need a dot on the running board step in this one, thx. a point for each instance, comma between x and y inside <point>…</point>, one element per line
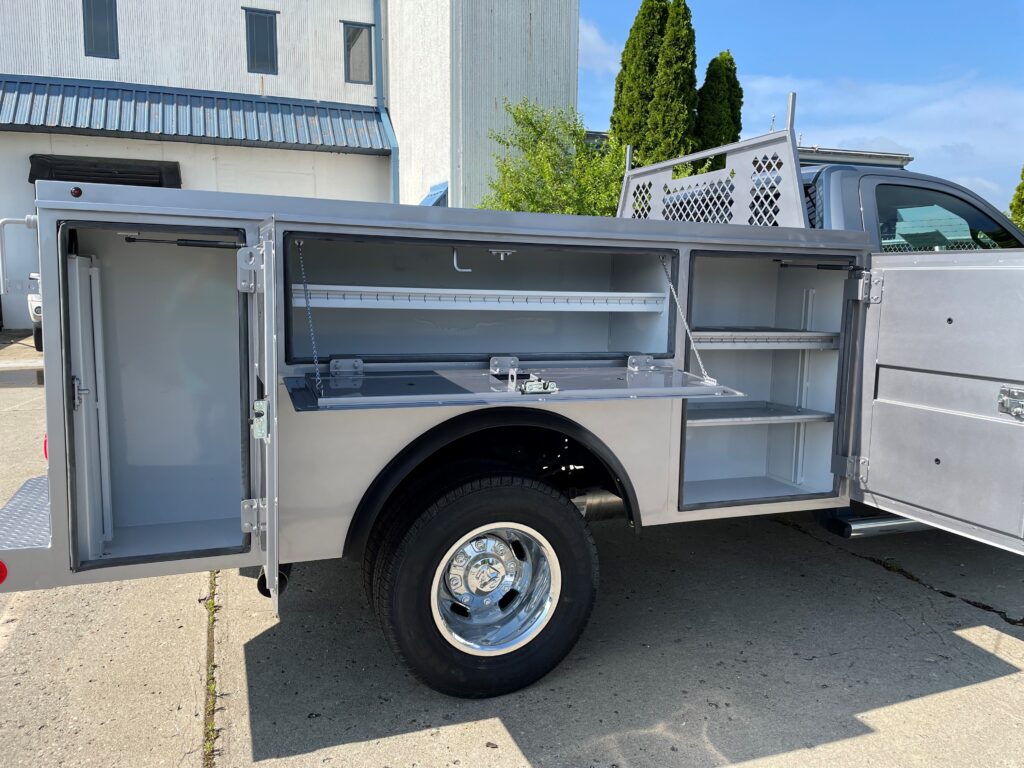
<point>873,525</point>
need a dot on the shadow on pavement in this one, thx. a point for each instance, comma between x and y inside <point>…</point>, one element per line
<point>711,642</point>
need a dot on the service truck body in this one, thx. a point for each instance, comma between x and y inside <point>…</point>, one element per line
<point>237,380</point>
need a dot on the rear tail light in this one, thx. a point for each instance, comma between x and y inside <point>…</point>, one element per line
<point>46,448</point>
<point>3,572</point>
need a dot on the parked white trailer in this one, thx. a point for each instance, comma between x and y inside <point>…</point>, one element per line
<point>240,380</point>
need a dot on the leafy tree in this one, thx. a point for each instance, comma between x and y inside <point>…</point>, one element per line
<point>634,85</point>
<point>672,112</point>
<point>1017,204</point>
<point>719,106</point>
<point>547,165</point>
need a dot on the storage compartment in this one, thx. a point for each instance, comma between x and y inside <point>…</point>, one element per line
<point>400,299</point>
<point>159,438</point>
<point>771,327</point>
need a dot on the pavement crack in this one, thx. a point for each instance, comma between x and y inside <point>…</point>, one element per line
<point>210,730</point>
<point>898,569</point>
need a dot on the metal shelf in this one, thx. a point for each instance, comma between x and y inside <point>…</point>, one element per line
<point>763,338</point>
<point>388,297</point>
<point>750,412</point>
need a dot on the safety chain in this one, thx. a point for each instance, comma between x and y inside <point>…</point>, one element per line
<point>309,321</point>
<point>686,325</point>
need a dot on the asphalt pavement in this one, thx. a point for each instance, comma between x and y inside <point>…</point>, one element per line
<point>755,642</point>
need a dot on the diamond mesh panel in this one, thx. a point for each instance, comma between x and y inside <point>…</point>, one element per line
<point>765,191</point>
<point>642,201</point>
<point>704,201</point>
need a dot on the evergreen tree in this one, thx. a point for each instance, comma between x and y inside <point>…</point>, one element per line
<point>719,106</point>
<point>673,109</point>
<point>634,85</point>
<point>1017,204</point>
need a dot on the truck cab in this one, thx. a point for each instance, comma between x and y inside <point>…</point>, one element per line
<point>900,210</point>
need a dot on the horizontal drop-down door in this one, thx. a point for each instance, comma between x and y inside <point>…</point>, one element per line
<point>463,386</point>
<point>944,351</point>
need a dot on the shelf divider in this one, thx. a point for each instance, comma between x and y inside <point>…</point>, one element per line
<point>740,412</point>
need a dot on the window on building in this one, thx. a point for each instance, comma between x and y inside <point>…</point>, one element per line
<point>358,52</point>
<point>99,25</point>
<point>261,40</point>
<point>920,219</point>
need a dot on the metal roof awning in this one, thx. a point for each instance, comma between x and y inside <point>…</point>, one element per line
<point>160,113</point>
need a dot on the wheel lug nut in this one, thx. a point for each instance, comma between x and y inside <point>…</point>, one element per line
<point>500,549</point>
<point>487,601</point>
<point>454,581</point>
<point>466,599</point>
<point>460,559</point>
<point>479,545</point>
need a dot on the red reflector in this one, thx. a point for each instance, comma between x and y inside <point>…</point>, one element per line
<point>46,449</point>
<point>3,572</point>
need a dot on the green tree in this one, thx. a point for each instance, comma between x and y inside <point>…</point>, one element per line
<point>634,85</point>
<point>672,112</point>
<point>719,106</point>
<point>1017,204</point>
<point>546,165</point>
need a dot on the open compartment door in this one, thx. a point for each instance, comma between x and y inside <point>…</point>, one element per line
<point>942,421</point>
<point>257,267</point>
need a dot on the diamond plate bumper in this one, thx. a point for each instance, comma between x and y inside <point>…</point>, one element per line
<point>25,519</point>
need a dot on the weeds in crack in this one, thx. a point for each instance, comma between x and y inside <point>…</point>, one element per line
<point>210,731</point>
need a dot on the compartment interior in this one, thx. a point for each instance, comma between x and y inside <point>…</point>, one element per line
<point>771,328</point>
<point>388,299</point>
<point>157,336</point>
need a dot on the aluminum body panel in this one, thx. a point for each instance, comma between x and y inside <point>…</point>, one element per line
<point>939,346</point>
<point>328,459</point>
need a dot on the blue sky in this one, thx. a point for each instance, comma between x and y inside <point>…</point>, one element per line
<point>942,80</point>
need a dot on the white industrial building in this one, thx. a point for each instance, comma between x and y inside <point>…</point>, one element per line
<point>349,99</point>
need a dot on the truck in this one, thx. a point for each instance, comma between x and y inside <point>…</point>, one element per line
<point>452,396</point>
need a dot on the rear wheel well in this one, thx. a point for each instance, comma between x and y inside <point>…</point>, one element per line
<point>536,444</point>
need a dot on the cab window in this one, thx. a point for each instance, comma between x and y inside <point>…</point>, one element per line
<point>919,219</point>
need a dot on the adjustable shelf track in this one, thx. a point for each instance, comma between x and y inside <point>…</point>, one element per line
<point>763,338</point>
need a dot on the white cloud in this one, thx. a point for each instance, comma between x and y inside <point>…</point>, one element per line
<point>962,129</point>
<point>597,55</point>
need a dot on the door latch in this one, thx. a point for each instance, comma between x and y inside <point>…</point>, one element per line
<point>258,422</point>
<point>1011,402</point>
<point>79,391</point>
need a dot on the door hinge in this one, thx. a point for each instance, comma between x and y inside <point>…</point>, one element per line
<point>857,469</point>
<point>79,391</point>
<point>1011,401</point>
<point>250,264</point>
<point>258,422</point>
<point>869,287</point>
<point>254,515</point>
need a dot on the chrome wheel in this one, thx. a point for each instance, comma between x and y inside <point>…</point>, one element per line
<point>495,589</point>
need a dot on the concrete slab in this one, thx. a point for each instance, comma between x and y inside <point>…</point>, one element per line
<point>107,675</point>
<point>18,352</point>
<point>726,642</point>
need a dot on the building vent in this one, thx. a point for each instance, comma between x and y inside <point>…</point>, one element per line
<point>104,170</point>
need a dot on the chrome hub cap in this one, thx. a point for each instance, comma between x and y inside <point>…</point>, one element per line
<point>495,589</point>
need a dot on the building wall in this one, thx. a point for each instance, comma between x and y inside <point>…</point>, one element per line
<point>190,44</point>
<point>203,166</point>
<point>504,50</point>
<point>418,56</point>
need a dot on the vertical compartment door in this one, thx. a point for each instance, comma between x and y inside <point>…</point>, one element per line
<point>91,464</point>
<point>258,275</point>
<point>942,420</point>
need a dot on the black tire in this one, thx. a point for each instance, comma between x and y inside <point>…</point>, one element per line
<point>400,511</point>
<point>404,590</point>
<point>37,337</point>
